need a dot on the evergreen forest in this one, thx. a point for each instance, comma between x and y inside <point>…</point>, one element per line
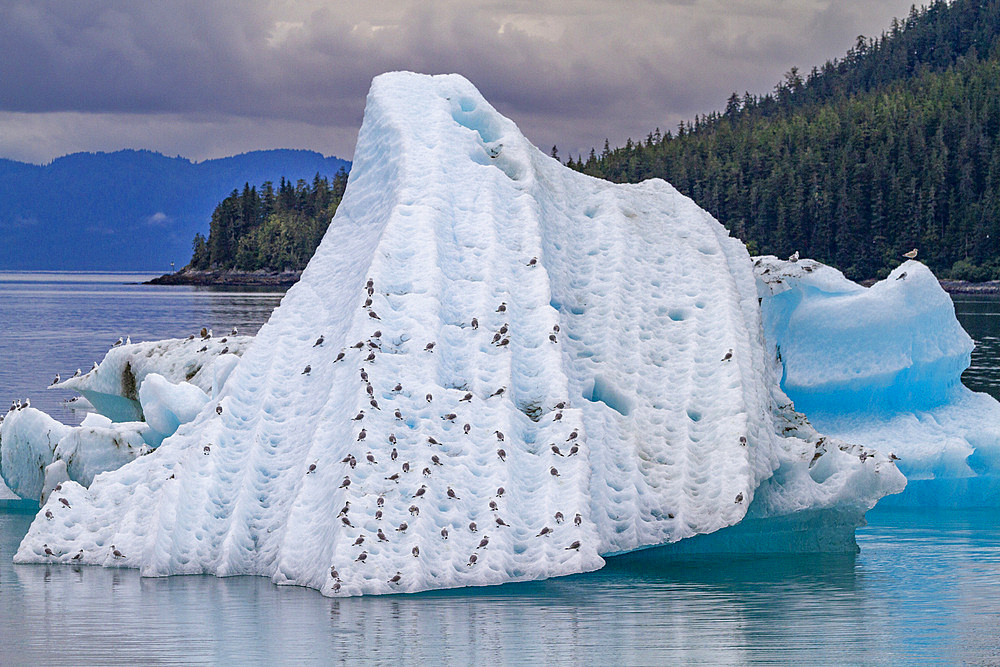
<point>893,147</point>
<point>275,229</point>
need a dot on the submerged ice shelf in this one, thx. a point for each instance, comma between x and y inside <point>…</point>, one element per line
<point>493,369</point>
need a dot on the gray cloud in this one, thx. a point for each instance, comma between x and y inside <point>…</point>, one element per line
<point>211,78</point>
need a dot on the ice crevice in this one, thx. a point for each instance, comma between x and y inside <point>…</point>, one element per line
<point>493,369</point>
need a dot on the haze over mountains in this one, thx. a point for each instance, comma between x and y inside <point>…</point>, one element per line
<point>127,210</point>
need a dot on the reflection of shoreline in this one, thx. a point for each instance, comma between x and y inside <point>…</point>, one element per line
<point>234,278</point>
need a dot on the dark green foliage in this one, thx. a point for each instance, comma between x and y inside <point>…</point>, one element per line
<point>272,229</point>
<point>893,147</point>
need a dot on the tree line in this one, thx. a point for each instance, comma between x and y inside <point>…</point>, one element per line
<point>269,228</point>
<point>895,146</point>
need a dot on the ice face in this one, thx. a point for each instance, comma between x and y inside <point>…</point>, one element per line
<point>493,369</point>
<point>882,366</point>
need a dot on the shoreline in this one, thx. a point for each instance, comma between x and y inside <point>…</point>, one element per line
<point>263,278</point>
<point>228,278</point>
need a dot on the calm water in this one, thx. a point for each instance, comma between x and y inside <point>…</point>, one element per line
<point>924,588</point>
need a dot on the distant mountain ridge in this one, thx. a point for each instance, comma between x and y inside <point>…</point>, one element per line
<point>130,209</point>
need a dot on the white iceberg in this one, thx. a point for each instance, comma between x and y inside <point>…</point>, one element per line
<point>551,368</point>
<point>882,366</point>
<point>31,441</point>
<point>113,386</point>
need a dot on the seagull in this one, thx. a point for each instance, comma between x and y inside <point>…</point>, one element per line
<point>234,332</point>
<point>559,517</point>
<point>402,528</point>
<point>451,494</point>
<point>499,435</point>
<point>532,262</point>
<point>307,370</point>
<point>472,526</point>
<point>340,356</point>
<point>794,257</point>
<point>577,520</point>
<point>472,560</point>
<point>121,341</point>
<point>575,545</point>
<point>381,536</point>
<point>377,334</point>
<point>393,454</point>
<point>398,415</point>
<point>728,356</point>
<point>467,428</point>
<point>49,515</point>
<point>494,506</point>
<point>444,533</point>
<point>467,397</point>
<point>451,416</point>
<point>26,404</point>
<point>427,472</point>
<point>381,501</point>
<point>501,522</point>
<point>555,328</point>
<point>739,498</point>
<point>372,314</point>
<point>347,507</point>
<point>502,454</point>
<point>429,347</point>
<point>544,531</point>
<point>498,392</point>
<point>361,557</point>
<point>360,344</point>
<point>312,468</point>
<point>346,483</point>
<point>475,323</point>
<point>398,388</point>
<point>392,441</point>
<point>78,373</point>
<point>503,329</point>
<point>500,492</point>
<point>572,436</point>
<point>394,477</point>
<point>483,542</point>
<point>378,515</point>
<point>436,461</point>
<point>116,553</point>
<point>79,555</point>
<point>406,466</point>
<point>371,458</point>
<point>207,449</point>
<point>555,450</point>
<point>57,380</point>
<point>359,416</point>
<point>364,375</point>
<point>502,308</point>
<point>432,441</point>
<point>558,417</point>
<point>334,573</point>
<point>574,449</point>
<point>910,255</point>
<point>370,357</point>
<point>362,435</point>
<point>319,341</point>
<point>414,510</point>
<point>421,491</point>
<point>415,551</point>
<point>552,337</point>
<point>505,342</point>
<point>346,521</point>
<point>368,302</point>
<point>553,472</point>
<point>358,542</point>
<point>429,398</point>
<point>496,338</point>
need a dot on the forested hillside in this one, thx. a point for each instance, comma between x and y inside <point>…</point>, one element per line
<point>895,146</point>
<point>269,228</point>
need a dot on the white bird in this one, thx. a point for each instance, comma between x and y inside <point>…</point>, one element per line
<point>56,380</point>
<point>910,255</point>
<point>794,256</point>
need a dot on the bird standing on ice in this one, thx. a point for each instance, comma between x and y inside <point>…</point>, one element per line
<point>910,255</point>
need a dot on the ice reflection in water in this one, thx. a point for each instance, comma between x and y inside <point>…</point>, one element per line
<point>924,587</point>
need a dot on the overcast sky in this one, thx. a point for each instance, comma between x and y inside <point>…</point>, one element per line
<point>210,78</point>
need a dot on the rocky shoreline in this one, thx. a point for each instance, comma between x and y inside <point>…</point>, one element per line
<point>288,278</point>
<point>228,278</point>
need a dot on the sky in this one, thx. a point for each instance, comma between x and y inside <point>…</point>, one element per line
<point>211,78</point>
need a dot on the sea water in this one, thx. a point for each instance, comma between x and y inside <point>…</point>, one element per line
<point>925,586</point>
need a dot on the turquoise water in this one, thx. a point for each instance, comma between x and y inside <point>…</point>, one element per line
<point>925,586</point>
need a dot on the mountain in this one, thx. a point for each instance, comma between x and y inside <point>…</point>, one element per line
<point>894,146</point>
<point>127,210</point>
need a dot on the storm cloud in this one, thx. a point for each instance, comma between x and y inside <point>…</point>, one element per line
<point>212,78</point>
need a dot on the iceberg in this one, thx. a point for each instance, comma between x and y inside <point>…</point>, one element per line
<point>493,369</point>
<point>882,366</point>
<point>130,384</point>
<point>112,387</point>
